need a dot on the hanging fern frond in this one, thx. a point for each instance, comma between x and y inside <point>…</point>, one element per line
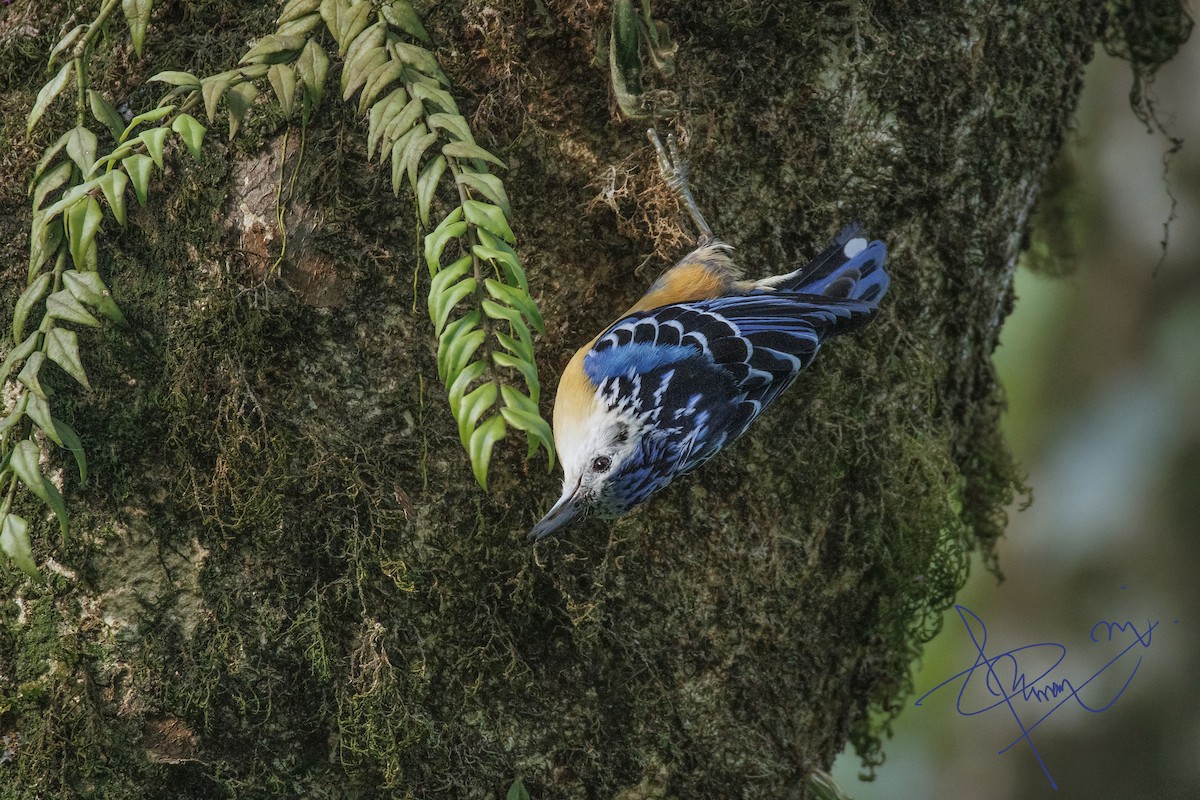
<point>73,176</point>
<point>479,302</point>
<point>483,314</point>
<point>414,123</point>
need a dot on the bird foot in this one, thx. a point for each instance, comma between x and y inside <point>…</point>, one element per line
<point>675,174</point>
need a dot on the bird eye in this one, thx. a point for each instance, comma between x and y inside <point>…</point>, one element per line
<point>601,464</point>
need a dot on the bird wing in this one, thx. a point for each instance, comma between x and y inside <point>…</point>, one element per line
<point>706,369</point>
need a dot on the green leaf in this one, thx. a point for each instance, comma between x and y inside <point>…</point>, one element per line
<point>472,407</point>
<point>625,59</point>
<point>81,148</point>
<point>401,124</point>
<point>524,366</point>
<point>427,184</point>
<point>62,347</point>
<point>139,168</point>
<point>70,440</point>
<point>380,78</point>
<point>466,150</point>
<point>283,82</point>
<point>436,240</point>
<point>83,221</point>
<point>24,463</point>
<point>422,61</point>
<point>69,198</point>
<point>47,94</point>
<point>102,164</point>
<point>490,218</point>
<point>329,13</point>
<point>39,411</point>
<point>25,303</point>
<point>441,306</point>
<point>275,48</point>
<point>298,8</point>
<point>68,39</point>
<point>494,249</point>
<point>155,139</point>
<point>191,131</point>
<point>356,71</point>
<point>17,414</point>
<point>29,374</point>
<point>113,184</point>
<point>456,348</point>
<point>153,115</point>
<point>238,101</point>
<point>176,78</point>
<point>89,288</point>
<point>312,68</point>
<point>512,317</point>
<point>137,14</point>
<point>537,429</point>
<point>48,156</point>
<point>381,114</point>
<point>45,238</point>
<point>480,447</point>
<point>367,39</point>
<point>63,305</point>
<point>400,13</point>
<point>105,114</point>
<point>352,20</point>
<point>211,90</point>
<point>518,400</point>
<point>455,124</point>
<point>459,384</point>
<point>398,149</point>
<point>47,183</point>
<point>441,282</point>
<point>18,353</point>
<point>301,26</point>
<point>432,94</point>
<point>519,351</point>
<point>414,151</point>
<point>14,541</point>
<point>516,298</point>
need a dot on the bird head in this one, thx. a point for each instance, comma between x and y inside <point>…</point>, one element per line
<point>601,455</point>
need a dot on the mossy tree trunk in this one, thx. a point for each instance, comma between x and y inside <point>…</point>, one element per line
<point>283,580</point>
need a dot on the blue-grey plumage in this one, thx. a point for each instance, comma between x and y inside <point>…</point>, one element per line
<point>687,369</point>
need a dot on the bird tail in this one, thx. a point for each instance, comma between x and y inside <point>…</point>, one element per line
<point>851,268</point>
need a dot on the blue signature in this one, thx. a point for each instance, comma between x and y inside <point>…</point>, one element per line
<point>1003,678</point>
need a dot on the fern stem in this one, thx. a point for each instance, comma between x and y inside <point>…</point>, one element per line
<point>9,495</point>
<point>83,58</point>
<point>485,322</point>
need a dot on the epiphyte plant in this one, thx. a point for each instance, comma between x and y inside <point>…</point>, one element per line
<point>479,300</point>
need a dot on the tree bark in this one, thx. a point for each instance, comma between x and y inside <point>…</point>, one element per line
<point>282,579</point>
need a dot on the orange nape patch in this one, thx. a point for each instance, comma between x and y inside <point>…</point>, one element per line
<point>576,398</point>
<point>680,284</point>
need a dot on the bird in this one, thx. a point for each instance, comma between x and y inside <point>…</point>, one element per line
<point>693,363</point>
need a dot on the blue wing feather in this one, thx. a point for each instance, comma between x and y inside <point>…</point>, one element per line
<point>694,375</point>
<point>840,260</point>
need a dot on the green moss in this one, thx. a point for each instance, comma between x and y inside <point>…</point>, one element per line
<point>316,600</point>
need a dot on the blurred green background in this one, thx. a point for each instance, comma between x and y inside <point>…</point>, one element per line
<point>1102,372</point>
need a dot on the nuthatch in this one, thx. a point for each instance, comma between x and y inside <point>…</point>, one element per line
<point>686,370</point>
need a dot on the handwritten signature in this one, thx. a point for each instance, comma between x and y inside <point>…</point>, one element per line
<point>1003,677</point>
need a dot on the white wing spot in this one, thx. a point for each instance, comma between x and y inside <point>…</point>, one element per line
<point>854,247</point>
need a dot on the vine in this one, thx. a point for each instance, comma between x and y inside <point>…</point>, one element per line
<point>479,302</point>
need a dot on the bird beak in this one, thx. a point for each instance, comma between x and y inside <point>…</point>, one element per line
<point>566,509</point>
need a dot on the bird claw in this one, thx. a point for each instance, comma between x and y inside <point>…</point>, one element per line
<point>675,174</point>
